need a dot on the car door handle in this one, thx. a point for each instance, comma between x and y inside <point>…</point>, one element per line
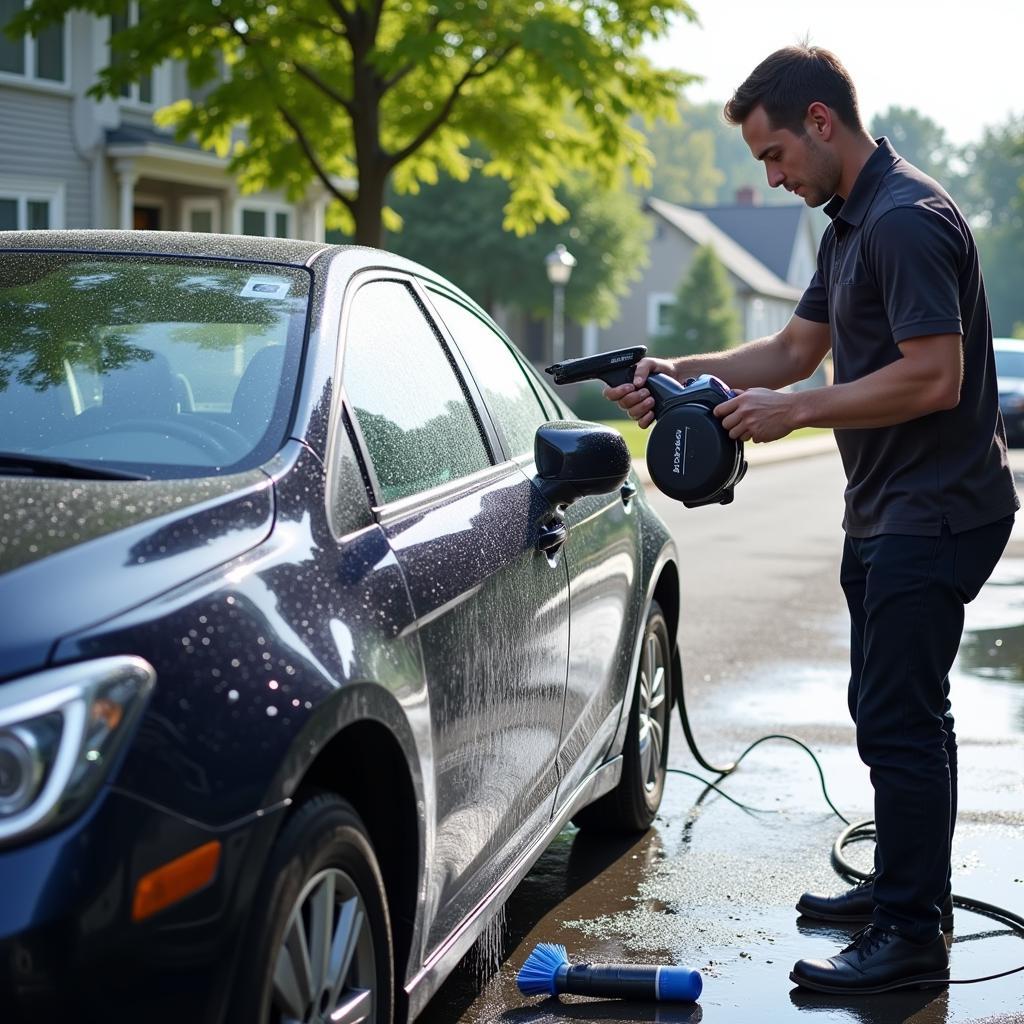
<point>628,492</point>
<point>552,536</point>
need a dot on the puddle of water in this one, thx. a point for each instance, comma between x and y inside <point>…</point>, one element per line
<point>713,887</point>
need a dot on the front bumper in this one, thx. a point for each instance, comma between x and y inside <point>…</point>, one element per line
<point>68,946</point>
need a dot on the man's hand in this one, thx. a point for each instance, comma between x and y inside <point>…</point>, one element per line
<point>634,398</point>
<point>757,414</point>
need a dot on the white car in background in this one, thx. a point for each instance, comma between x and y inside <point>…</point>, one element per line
<point>1010,375</point>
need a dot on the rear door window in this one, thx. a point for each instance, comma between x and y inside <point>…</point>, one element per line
<point>507,390</point>
<point>417,424</point>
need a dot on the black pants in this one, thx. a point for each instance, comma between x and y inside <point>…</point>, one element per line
<point>906,597</point>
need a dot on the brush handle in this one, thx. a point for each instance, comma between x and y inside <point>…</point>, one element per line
<point>630,981</point>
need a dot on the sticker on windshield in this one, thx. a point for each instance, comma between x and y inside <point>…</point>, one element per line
<point>263,286</point>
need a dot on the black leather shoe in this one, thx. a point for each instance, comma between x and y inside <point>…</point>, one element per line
<point>855,906</point>
<point>878,960</point>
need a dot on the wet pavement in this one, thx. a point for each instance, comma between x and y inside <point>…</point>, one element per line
<point>712,885</point>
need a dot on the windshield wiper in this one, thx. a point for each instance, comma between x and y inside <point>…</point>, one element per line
<point>44,465</point>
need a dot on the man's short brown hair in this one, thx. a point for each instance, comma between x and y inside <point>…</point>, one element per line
<point>789,81</point>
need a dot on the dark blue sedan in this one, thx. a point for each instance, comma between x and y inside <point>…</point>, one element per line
<point>321,616</point>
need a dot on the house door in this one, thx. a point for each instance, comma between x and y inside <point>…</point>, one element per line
<point>146,218</point>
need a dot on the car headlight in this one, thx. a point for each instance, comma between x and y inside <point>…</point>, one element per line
<point>59,732</point>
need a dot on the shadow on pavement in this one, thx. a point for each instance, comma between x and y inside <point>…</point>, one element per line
<point>923,1006</point>
<point>555,1009</point>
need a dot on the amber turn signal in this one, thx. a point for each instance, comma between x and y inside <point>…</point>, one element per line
<point>175,880</point>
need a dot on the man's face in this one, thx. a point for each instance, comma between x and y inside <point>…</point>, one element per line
<point>802,164</point>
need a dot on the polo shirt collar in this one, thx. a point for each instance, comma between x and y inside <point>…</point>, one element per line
<point>856,204</point>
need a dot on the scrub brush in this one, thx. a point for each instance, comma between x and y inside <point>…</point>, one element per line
<point>547,972</point>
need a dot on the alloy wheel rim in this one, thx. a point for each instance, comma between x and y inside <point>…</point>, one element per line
<point>652,711</point>
<point>326,967</point>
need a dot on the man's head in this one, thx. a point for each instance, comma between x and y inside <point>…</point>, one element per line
<point>796,109</point>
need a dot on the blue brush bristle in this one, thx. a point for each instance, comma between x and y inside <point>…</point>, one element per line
<point>537,976</point>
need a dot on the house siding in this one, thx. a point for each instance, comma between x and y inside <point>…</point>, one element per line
<point>670,257</point>
<point>36,131</point>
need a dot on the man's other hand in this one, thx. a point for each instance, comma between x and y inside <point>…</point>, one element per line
<point>634,398</point>
<point>757,414</point>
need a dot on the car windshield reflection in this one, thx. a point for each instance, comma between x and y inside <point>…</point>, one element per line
<point>169,367</point>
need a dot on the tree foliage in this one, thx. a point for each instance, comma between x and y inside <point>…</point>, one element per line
<point>701,160</point>
<point>994,200</point>
<point>995,176</point>
<point>456,228</point>
<point>704,318</point>
<point>370,92</point>
<point>685,159</point>
<point>922,141</point>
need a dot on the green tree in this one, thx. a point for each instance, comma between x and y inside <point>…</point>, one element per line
<point>456,228</point>
<point>994,201</point>
<point>381,93</point>
<point>685,170</point>
<point>700,160</point>
<point>922,141</point>
<point>995,175</point>
<point>704,318</point>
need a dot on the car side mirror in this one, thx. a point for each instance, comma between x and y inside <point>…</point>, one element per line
<point>575,459</point>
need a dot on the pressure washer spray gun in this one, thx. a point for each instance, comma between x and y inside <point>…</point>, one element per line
<point>690,455</point>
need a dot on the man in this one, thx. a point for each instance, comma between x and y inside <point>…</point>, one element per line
<point>898,298</point>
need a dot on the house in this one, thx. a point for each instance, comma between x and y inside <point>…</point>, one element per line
<point>68,160</point>
<point>784,236</point>
<point>768,252</point>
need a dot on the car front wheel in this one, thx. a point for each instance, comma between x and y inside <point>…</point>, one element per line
<point>321,950</point>
<point>634,802</point>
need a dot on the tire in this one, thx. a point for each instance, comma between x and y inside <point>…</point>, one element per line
<point>633,804</point>
<point>322,863</point>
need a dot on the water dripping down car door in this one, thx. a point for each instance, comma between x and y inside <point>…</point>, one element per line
<point>491,610</point>
<point>603,559</point>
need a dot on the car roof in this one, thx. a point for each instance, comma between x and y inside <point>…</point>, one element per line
<point>296,252</point>
<point>169,243</point>
<point>1008,344</point>
<point>288,251</point>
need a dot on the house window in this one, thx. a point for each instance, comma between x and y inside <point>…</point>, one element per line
<point>266,221</point>
<point>41,58</point>
<point>659,312</point>
<point>27,206</point>
<point>140,91</point>
<point>200,214</point>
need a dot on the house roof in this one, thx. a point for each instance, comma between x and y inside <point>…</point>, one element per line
<point>768,233</point>
<point>698,227</point>
<point>141,135</point>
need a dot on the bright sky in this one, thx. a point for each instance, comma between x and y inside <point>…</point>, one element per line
<point>958,61</point>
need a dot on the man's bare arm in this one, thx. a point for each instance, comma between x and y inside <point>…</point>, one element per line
<point>925,380</point>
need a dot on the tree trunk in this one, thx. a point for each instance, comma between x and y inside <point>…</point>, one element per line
<point>368,205</point>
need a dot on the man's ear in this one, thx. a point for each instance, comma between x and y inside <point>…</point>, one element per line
<point>818,121</point>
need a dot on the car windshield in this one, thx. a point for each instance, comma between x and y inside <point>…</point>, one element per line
<point>160,366</point>
<point>1009,363</point>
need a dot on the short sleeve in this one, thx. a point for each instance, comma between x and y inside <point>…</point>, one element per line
<point>813,304</point>
<point>915,256</point>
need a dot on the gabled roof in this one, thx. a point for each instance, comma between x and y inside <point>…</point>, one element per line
<point>700,229</point>
<point>768,233</point>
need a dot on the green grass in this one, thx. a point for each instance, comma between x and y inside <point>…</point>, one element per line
<point>636,439</point>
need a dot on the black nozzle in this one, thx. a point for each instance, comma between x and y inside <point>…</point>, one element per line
<point>613,368</point>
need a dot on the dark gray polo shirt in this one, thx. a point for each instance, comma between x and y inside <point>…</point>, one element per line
<point>898,261</point>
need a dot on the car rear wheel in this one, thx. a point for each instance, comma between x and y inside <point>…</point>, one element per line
<point>634,802</point>
<point>321,950</point>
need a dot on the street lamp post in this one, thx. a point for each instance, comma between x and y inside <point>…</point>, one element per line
<point>559,264</point>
